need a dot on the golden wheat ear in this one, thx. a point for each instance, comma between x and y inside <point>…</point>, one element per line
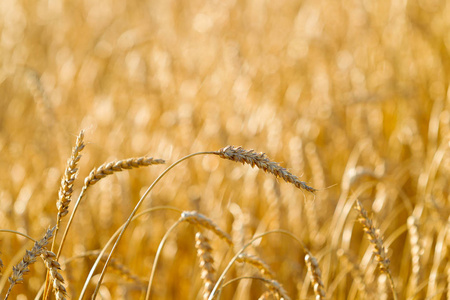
<point>261,161</point>
<point>70,174</point>
<point>204,253</point>
<point>30,257</point>
<point>257,262</point>
<point>373,234</point>
<point>196,218</point>
<point>316,276</point>
<point>57,279</point>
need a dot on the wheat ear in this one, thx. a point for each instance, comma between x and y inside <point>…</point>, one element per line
<point>70,174</point>
<point>274,286</point>
<point>30,257</point>
<point>100,173</point>
<point>256,262</point>
<point>416,252</point>
<point>316,276</point>
<point>204,251</point>
<point>278,289</point>
<point>195,218</point>
<point>53,267</point>
<point>261,161</point>
<point>373,234</point>
<point>66,190</point>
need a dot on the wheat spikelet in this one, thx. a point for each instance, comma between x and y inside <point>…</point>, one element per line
<point>277,288</point>
<point>70,174</point>
<point>58,281</point>
<point>118,166</point>
<point>373,234</point>
<point>194,217</point>
<point>273,285</point>
<point>30,257</point>
<point>256,262</point>
<point>204,251</point>
<point>260,160</point>
<point>316,276</point>
<point>381,287</point>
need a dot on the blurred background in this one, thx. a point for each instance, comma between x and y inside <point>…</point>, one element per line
<point>351,96</point>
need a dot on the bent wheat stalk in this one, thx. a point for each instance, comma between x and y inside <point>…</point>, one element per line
<point>100,173</point>
<point>194,218</point>
<point>230,264</point>
<point>231,153</point>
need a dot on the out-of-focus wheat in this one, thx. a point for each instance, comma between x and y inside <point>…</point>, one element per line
<point>196,218</point>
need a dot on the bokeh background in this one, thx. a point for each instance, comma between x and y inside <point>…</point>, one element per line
<point>351,96</point>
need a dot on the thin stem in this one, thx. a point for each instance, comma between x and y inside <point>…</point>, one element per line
<point>63,239</point>
<point>158,253</point>
<point>18,233</point>
<point>111,240</point>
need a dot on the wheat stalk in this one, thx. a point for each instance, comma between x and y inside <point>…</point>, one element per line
<point>120,268</point>
<point>373,234</point>
<point>316,276</point>
<point>102,172</point>
<point>204,252</point>
<point>30,257</point>
<point>357,274</point>
<point>195,218</point>
<point>261,161</point>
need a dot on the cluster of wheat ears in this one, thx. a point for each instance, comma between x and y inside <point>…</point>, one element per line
<point>46,247</point>
<point>353,97</point>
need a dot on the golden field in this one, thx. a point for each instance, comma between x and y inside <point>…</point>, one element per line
<point>352,97</point>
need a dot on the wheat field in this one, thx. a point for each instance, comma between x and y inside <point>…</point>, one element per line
<point>126,137</point>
